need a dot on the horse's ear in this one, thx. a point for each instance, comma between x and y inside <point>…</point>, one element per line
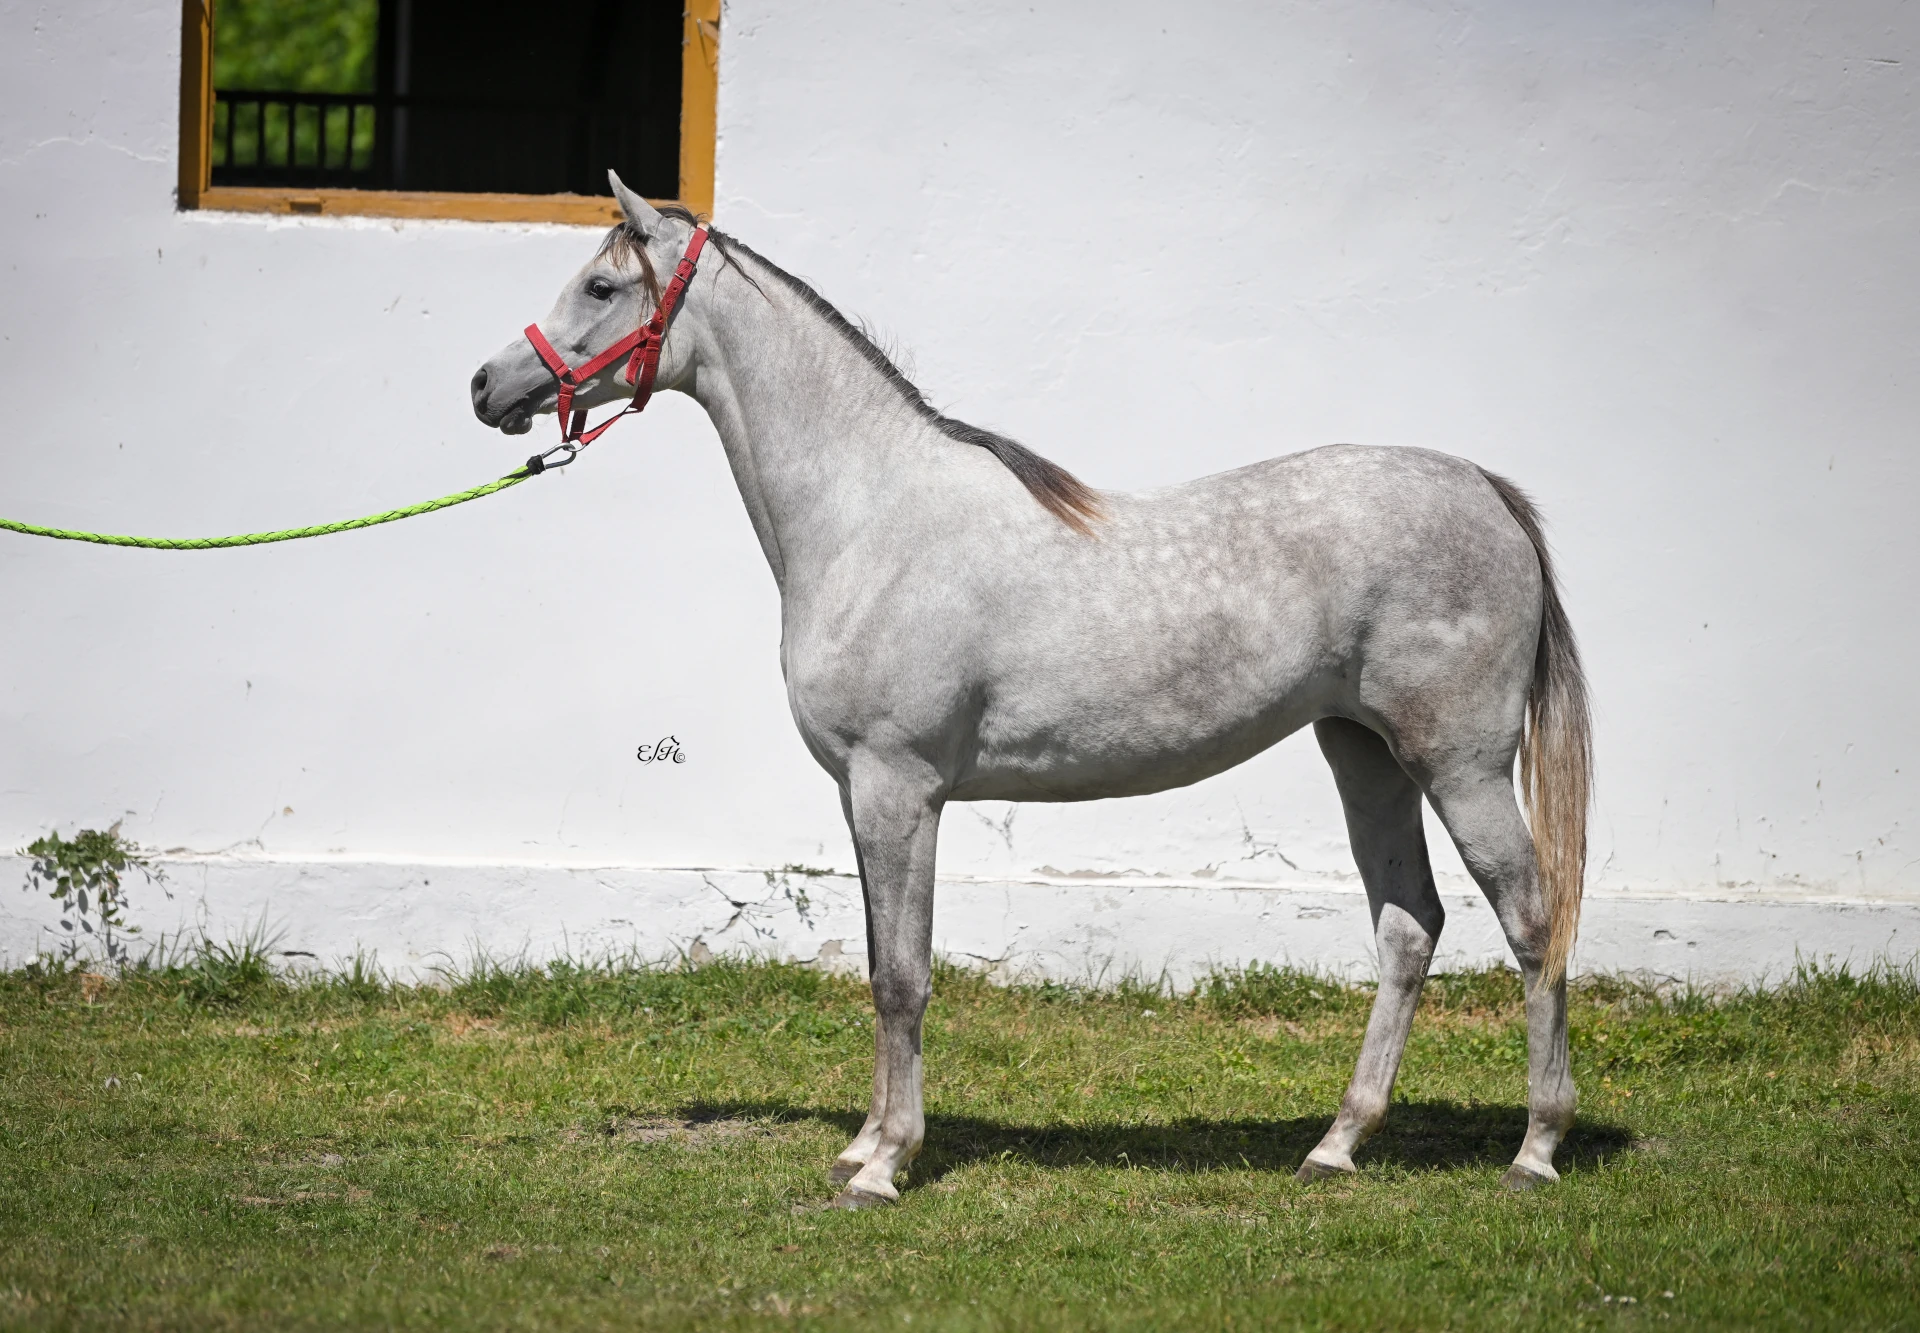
<point>643,215</point>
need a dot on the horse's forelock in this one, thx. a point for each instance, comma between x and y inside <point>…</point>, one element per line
<point>624,246</point>
<point>626,243</point>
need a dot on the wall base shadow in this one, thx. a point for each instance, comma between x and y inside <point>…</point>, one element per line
<point>1419,1136</point>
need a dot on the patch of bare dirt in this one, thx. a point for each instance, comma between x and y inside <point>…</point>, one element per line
<point>1883,1059</point>
<point>466,1025</point>
<point>694,1132</point>
<point>1269,1026</point>
<point>13,1298</point>
<point>351,1195</point>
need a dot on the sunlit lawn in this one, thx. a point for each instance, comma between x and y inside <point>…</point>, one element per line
<point>202,1147</point>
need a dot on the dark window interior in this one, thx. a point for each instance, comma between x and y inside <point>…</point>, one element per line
<point>505,96</point>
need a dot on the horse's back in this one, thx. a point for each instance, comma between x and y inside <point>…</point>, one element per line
<point>1308,558</point>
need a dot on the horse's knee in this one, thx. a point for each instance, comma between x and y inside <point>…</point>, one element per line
<point>1407,941</point>
<point>896,992</point>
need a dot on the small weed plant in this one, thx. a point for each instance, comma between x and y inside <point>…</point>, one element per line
<point>86,874</point>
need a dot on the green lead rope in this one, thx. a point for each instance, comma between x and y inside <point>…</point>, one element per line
<point>285,534</point>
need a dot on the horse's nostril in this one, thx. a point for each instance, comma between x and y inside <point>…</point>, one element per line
<point>479,382</point>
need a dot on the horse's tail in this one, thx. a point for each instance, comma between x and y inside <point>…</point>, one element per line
<point>1556,753</point>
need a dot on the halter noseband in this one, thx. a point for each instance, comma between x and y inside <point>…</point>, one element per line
<point>642,349</point>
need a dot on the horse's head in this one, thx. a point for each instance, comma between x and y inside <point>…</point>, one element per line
<point>613,295</point>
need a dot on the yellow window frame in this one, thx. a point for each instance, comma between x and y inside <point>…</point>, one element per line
<point>699,90</point>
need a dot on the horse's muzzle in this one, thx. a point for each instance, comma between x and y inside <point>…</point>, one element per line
<point>515,419</point>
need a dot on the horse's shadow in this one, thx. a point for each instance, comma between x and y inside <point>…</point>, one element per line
<point>1418,1136</point>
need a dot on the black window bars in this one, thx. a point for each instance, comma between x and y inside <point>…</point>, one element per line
<point>299,139</point>
<point>397,141</point>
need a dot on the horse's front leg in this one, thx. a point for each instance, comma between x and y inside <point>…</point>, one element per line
<point>858,1153</point>
<point>895,818</point>
<point>848,1164</point>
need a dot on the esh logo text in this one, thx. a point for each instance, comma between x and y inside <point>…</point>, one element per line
<point>665,750</point>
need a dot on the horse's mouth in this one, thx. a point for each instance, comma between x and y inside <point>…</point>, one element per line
<point>518,419</point>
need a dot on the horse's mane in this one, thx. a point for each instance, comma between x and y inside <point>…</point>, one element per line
<point>1063,495</point>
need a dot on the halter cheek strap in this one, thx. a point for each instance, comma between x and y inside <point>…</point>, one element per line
<point>642,350</point>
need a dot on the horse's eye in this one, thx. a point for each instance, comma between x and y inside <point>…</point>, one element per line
<point>599,289</point>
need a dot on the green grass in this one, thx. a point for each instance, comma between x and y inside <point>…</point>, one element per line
<point>204,1145</point>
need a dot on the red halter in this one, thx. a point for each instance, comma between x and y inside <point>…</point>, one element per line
<point>641,347</point>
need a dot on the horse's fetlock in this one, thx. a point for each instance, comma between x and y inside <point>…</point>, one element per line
<point>1556,1109</point>
<point>1365,1114</point>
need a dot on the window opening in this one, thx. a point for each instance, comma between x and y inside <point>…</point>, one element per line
<point>446,98</point>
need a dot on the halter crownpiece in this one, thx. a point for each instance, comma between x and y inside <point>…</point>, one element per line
<point>642,350</point>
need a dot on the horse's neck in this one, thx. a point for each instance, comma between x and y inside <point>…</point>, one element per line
<point>810,427</point>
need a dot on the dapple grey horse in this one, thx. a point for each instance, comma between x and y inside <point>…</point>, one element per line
<point>962,620</point>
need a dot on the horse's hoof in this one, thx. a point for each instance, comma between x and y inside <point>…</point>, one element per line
<point>853,1199</point>
<point>842,1171</point>
<point>1519,1179</point>
<point>1311,1171</point>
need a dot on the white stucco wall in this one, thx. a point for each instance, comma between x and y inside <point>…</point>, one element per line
<point>1653,260</point>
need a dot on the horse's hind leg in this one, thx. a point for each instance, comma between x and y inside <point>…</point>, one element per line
<point>895,824</point>
<point>1383,825</point>
<point>1480,811</point>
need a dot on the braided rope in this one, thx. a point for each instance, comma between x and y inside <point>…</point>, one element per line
<point>262,538</point>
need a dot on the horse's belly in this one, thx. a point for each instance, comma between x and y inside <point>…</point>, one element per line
<point>1106,765</point>
<point>1101,738</point>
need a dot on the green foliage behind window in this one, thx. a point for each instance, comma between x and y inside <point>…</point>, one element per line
<point>309,46</point>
